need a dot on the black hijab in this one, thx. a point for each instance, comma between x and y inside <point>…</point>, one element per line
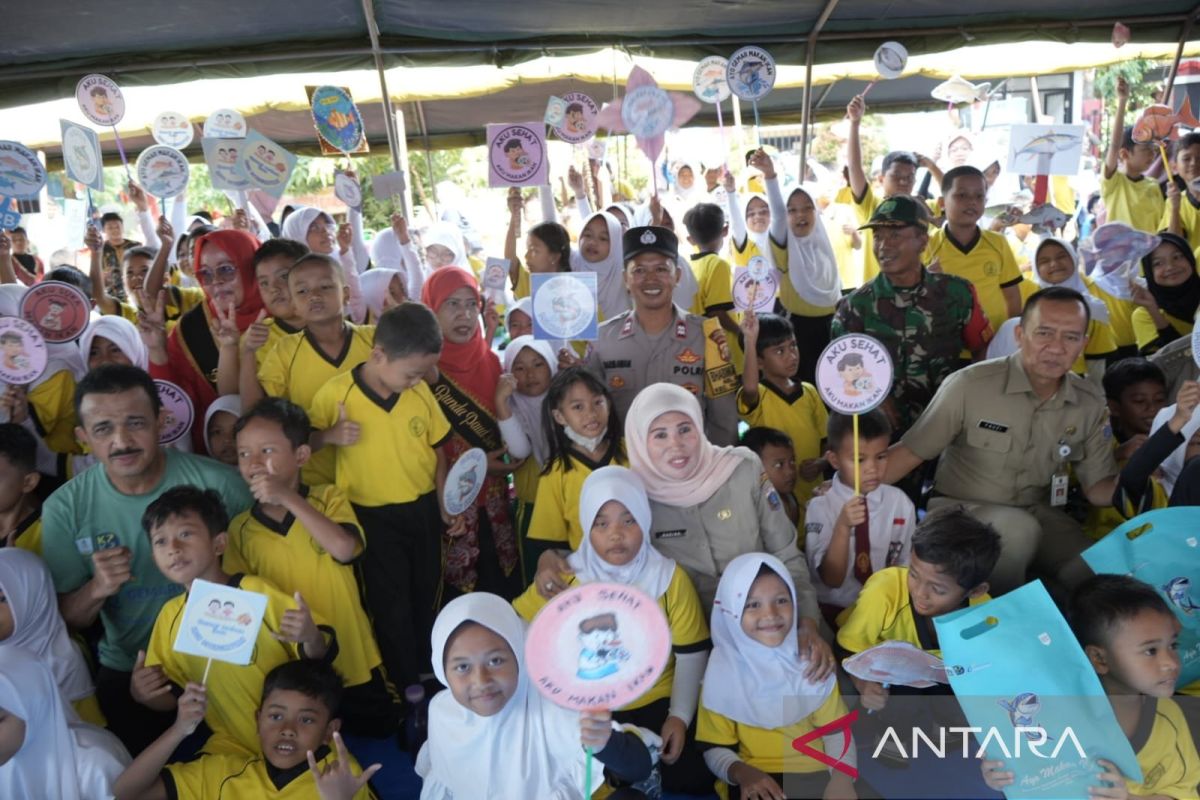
<point>1180,301</point>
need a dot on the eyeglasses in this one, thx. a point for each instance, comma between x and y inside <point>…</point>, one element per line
<point>223,274</point>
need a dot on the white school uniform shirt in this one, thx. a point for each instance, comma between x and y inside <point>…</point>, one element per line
<point>891,518</point>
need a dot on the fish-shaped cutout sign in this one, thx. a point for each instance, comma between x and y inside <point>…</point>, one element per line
<point>958,90</point>
<point>1159,122</point>
<point>898,664</point>
<point>1045,218</point>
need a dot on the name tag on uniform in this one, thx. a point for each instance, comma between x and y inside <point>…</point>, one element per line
<point>1058,489</point>
<point>670,534</point>
<point>988,425</point>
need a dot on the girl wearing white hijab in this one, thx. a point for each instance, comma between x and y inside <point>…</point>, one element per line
<point>444,247</point>
<point>34,624</point>
<point>382,288</point>
<point>1056,264</point>
<point>388,252</point>
<point>492,734</point>
<point>113,340</point>
<point>715,501</point>
<point>220,442</point>
<point>615,514</point>
<point>600,252</point>
<point>757,698</point>
<point>316,230</point>
<point>529,364</point>
<point>45,751</point>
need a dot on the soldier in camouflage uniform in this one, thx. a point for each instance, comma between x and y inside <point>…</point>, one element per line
<point>924,319</point>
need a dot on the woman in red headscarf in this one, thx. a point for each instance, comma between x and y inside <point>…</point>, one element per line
<point>484,558</point>
<point>224,267</point>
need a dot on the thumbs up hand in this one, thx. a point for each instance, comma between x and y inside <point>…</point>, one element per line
<point>297,626</point>
<point>344,432</point>
<point>269,488</point>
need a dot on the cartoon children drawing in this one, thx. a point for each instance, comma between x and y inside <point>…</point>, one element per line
<point>600,652</point>
<point>853,372</point>
<point>15,357</point>
<point>101,102</point>
<point>576,123</point>
<point>52,320</point>
<point>514,151</point>
<point>214,608</point>
<point>227,609</point>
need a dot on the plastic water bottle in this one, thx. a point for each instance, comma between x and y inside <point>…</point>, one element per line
<point>416,727</point>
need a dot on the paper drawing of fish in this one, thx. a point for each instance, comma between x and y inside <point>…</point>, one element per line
<point>957,90</point>
<point>1049,144</point>
<point>1114,245</point>
<point>898,664</point>
<point>1160,122</point>
<point>1044,218</point>
<point>890,59</point>
<point>1178,591</point>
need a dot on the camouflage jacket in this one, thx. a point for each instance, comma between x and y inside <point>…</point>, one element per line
<point>925,328</point>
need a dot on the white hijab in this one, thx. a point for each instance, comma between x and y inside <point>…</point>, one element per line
<point>610,271</point>
<point>1099,309</point>
<point>45,766</point>
<point>450,237</point>
<point>649,570</point>
<point>749,682</point>
<point>230,404</point>
<point>376,283</point>
<point>697,194</point>
<point>121,332</point>
<point>37,626</point>
<point>528,410</point>
<point>761,240</point>
<point>295,227</point>
<point>812,267</point>
<point>530,748</point>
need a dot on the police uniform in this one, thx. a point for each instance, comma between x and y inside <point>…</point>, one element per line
<point>693,352</point>
<point>1003,451</point>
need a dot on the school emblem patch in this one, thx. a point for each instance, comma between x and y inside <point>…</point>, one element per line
<point>417,427</point>
<point>616,382</point>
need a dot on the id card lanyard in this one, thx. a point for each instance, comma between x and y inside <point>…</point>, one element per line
<point>1059,483</point>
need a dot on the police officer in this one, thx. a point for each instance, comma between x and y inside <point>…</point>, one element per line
<point>658,342</point>
<point>1010,432</point>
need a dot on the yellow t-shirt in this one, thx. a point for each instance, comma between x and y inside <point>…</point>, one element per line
<point>771,750</point>
<point>296,368</point>
<point>276,330</point>
<point>789,298</point>
<point>52,407</point>
<point>1120,314</point>
<point>1189,218</point>
<point>525,480</point>
<point>714,276</point>
<point>241,777</point>
<point>1166,752</point>
<point>883,612</point>
<point>989,264</point>
<point>524,285</point>
<point>685,618</point>
<point>801,415</point>
<point>1138,203</point>
<point>395,458</point>
<point>1102,520</point>
<point>287,555</point>
<point>1145,331</point>
<point>234,691</point>
<point>556,510</point>
<point>28,534</point>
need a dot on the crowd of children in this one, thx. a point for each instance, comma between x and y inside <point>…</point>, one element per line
<point>333,389</point>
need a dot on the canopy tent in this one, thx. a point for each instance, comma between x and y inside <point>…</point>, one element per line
<point>48,45</point>
<point>449,106</point>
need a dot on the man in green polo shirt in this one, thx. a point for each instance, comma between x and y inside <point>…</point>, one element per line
<point>93,541</point>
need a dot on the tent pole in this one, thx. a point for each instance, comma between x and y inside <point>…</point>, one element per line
<point>809,52</point>
<point>388,122</point>
<point>1183,37</point>
<point>428,157</point>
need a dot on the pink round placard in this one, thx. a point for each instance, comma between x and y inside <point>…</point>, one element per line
<point>600,645</point>
<point>854,374</point>
<point>60,310</point>
<point>23,353</point>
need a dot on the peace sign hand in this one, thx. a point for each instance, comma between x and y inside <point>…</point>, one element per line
<point>152,320</point>
<point>335,781</point>
<point>223,326</point>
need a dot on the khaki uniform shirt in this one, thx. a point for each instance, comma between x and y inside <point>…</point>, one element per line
<point>628,360</point>
<point>743,516</point>
<point>1000,444</point>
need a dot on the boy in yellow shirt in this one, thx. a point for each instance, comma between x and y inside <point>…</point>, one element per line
<point>307,539</point>
<point>985,258</point>
<point>187,529</point>
<point>1129,194</point>
<point>20,511</point>
<point>706,229</point>
<point>387,431</point>
<point>1182,213</point>
<point>297,720</point>
<point>1131,637</point>
<point>952,556</point>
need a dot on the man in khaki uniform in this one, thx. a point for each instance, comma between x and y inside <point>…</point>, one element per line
<point>1010,431</point>
<point>658,342</point>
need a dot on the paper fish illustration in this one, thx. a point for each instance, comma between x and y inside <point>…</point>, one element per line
<point>897,664</point>
<point>1044,218</point>
<point>956,91</point>
<point>338,120</point>
<point>1022,712</point>
<point>1159,122</point>
<point>1049,144</point>
<point>1178,591</point>
<point>1120,34</point>
<point>890,59</point>
<point>1115,245</point>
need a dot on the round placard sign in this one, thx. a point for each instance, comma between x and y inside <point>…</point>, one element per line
<point>464,480</point>
<point>751,73</point>
<point>854,374</point>
<point>58,310</point>
<point>22,352</point>
<point>178,412</point>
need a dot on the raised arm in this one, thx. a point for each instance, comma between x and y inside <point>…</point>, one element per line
<point>158,270</point>
<point>858,178</point>
<point>1118,130</point>
<point>103,300</point>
